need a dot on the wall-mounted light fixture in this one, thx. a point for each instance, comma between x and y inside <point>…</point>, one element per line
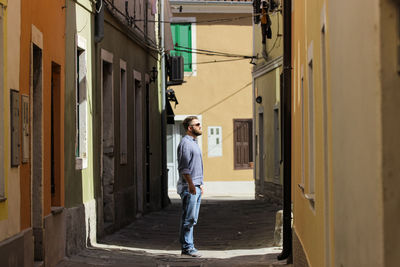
<point>259,99</point>
<point>153,74</point>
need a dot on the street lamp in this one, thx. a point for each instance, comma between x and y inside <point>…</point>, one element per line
<point>153,74</point>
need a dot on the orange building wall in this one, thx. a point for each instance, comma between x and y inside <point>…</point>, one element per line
<point>48,16</point>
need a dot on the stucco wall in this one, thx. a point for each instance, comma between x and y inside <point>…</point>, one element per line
<point>389,32</point>
<point>309,134</point>
<point>356,132</point>
<point>141,60</point>
<point>10,209</point>
<point>79,183</point>
<point>267,86</point>
<point>220,92</point>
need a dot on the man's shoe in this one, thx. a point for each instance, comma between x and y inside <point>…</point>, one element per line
<point>191,253</point>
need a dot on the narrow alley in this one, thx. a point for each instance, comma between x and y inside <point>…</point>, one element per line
<point>229,233</point>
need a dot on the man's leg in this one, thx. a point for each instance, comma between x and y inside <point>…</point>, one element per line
<point>189,218</point>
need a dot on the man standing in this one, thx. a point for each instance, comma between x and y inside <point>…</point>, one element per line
<point>190,184</point>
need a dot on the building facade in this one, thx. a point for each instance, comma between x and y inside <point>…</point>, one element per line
<point>81,168</point>
<point>213,37</point>
<point>267,103</point>
<point>42,89</point>
<point>128,115</point>
<point>15,233</point>
<point>113,151</point>
<point>345,164</point>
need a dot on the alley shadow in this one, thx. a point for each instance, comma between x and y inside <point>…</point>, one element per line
<point>223,225</point>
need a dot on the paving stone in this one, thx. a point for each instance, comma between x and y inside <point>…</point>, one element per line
<point>228,233</point>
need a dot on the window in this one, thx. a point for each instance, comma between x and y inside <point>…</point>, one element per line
<point>81,105</point>
<point>303,131</point>
<point>123,115</point>
<point>182,38</point>
<point>277,145</point>
<point>243,145</point>
<point>214,141</point>
<point>311,152</point>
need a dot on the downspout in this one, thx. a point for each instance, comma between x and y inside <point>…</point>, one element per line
<point>164,183</point>
<point>287,132</point>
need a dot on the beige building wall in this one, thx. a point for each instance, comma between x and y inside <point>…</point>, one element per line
<point>355,76</point>
<point>10,209</point>
<point>355,219</point>
<point>267,133</point>
<point>390,54</point>
<point>219,92</point>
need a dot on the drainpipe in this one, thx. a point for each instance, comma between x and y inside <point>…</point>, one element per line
<point>164,183</point>
<point>287,131</point>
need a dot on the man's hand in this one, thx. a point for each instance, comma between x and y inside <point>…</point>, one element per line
<point>202,189</point>
<point>192,189</point>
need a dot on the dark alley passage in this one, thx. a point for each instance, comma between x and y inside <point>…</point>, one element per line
<point>229,233</point>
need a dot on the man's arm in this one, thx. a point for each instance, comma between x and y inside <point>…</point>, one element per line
<point>184,155</point>
<point>192,188</point>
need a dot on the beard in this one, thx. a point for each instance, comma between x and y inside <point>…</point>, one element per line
<point>197,132</point>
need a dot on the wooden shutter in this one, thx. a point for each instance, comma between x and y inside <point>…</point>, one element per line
<point>182,36</point>
<point>242,143</point>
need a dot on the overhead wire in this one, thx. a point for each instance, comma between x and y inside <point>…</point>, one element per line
<point>202,21</point>
<point>187,49</point>
<point>276,38</point>
<point>148,45</point>
<point>215,61</point>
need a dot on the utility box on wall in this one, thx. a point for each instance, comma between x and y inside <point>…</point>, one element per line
<point>14,121</point>
<point>175,70</point>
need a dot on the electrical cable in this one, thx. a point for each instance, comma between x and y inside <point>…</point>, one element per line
<point>215,61</point>
<point>204,21</point>
<point>101,5</point>
<point>211,53</point>
<point>153,47</point>
<point>276,38</point>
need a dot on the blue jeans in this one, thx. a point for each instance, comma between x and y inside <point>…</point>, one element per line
<point>190,214</point>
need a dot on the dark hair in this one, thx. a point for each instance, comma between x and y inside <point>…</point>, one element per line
<point>186,122</point>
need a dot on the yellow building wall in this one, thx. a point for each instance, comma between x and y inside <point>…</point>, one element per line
<point>312,212</point>
<point>220,92</point>
<point>10,209</point>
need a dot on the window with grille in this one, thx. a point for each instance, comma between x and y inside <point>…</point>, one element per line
<point>243,143</point>
<point>123,115</point>
<point>81,104</point>
<point>214,141</point>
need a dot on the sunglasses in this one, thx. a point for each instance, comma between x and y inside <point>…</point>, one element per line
<point>197,124</point>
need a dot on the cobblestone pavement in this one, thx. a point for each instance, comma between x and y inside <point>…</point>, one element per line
<point>228,233</point>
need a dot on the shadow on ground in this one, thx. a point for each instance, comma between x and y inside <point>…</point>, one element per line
<point>229,233</point>
<point>222,225</point>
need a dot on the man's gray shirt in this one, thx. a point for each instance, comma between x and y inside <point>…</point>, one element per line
<point>190,161</point>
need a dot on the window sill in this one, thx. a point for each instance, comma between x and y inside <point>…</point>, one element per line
<point>56,210</point>
<point>80,163</point>
<point>242,168</point>
<point>301,186</point>
<point>190,73</point>
<point>311,199</point>
<point>3,199</point>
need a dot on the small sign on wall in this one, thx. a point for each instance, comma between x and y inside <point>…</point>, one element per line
<point>214,141</point>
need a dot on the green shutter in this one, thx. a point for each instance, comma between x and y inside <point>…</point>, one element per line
<point>182,36</point>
